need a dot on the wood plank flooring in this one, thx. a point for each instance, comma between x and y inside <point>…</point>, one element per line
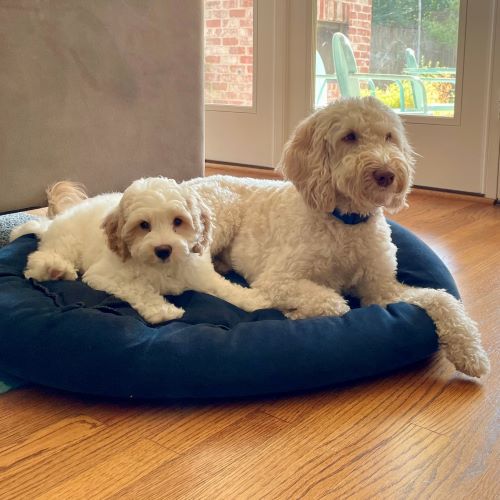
<point>423,432</point>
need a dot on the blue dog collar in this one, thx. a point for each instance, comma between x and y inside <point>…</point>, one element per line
<point>350,219</point>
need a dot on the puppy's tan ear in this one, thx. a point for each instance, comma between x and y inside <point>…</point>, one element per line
<point>112,226</point>
<point>306,162</point>
<point>207,227</point>
<point>202,222</point>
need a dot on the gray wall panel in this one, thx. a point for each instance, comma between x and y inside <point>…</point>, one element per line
<point>98,91</point>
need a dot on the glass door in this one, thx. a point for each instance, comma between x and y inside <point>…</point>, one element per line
<point>241,66</point>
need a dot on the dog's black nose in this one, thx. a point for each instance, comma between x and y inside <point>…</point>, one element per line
<point>163,251</point>
<point>383,178</point>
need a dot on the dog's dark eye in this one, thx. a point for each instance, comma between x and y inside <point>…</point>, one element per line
<point>177,222</point>
<point>145,225</point>
<point>350,137</point>
<point>388,137</point>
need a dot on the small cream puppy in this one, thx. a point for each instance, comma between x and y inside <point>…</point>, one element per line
<point>151,241</point>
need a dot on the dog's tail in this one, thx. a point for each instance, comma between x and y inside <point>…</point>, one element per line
<point>63,195</point>
<point>36,226</point>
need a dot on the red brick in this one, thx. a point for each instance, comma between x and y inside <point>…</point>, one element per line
<point>246,59</point>
<point>212,23</point>
<point>237,50</point>
<point>229,41</point>
<point>246,3</point>
<point>237,13</point>
<point>212,41</point>
<point>212,59</point>
<point>219,86</point>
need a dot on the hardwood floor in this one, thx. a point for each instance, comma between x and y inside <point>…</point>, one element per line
<point>424,432</point>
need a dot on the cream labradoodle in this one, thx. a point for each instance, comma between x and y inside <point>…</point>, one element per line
<point>308,241</point>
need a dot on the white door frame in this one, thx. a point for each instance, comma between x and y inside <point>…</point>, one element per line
<point>492,171</point>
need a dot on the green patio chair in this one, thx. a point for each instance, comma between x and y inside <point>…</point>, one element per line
<point>349,78</point>
<point>428,75</point>
<point>412,68</point>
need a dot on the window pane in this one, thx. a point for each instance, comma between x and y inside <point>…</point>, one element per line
<point>402,51</point>
<point>229,52</point>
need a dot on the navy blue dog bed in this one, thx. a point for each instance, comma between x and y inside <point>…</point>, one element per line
<point>65,335</point>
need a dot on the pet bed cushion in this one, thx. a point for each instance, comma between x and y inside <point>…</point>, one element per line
<point>65,335</point>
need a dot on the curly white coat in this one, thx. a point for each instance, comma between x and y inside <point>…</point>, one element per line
<point>353,156</point>
<point>151,241</point>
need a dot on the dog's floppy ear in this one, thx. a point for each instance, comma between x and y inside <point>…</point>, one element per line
<point>206,232</point>
<point>202,221</point>
<point>306,162</point>
<point>398,202</point>
<point>112,226</point>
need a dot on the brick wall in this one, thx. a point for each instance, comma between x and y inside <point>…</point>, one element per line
<point>356,16</point>
<point>228,52</point>
<point>360,31</point>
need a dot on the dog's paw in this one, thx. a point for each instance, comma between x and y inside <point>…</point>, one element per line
<point>472,361</point>
<point>253,300</point>
<point>333,307</point>
<point>49,267</point>
<point>166,312</point>
<point>295,314</point>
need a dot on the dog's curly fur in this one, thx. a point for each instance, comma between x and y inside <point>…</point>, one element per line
<point>352,156</point>
<point>151,241</point>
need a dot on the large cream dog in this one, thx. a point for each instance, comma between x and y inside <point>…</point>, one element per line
<point>306,242</point>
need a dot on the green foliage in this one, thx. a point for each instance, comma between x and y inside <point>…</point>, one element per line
<point>390,95</point>
<point>402,13</point>
<point>437,93</point>
<point>439,17</point>
<point>443,26</point>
